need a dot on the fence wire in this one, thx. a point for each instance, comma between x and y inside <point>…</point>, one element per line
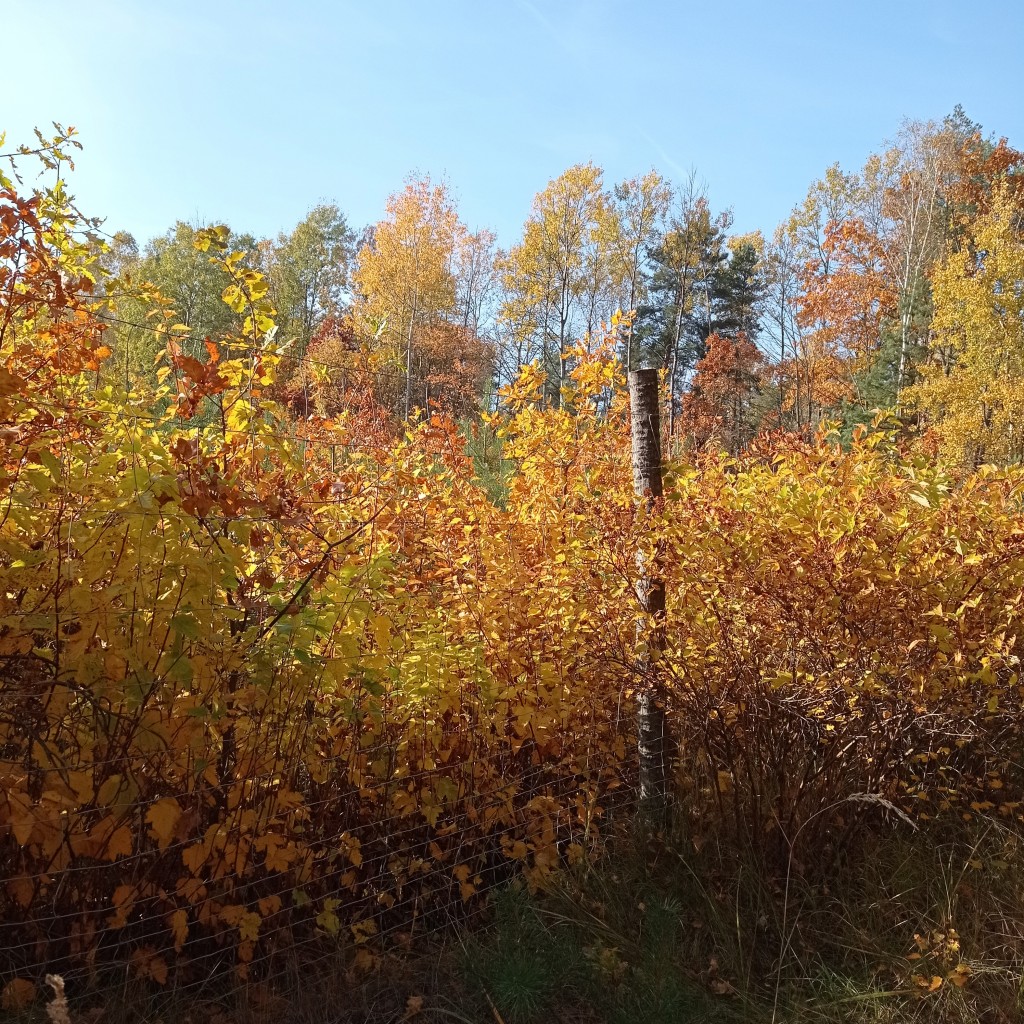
<point>412,879</point>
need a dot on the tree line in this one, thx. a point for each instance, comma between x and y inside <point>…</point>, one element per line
<point>896,286</point>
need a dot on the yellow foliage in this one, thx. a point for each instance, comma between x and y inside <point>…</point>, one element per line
<point>404,279</point>
<point>972,387</point>
<point>257,690</point>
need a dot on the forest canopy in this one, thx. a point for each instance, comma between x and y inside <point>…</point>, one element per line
<point>854,304</point>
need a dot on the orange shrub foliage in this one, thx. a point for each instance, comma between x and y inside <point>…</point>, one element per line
<point>718,405</point>
<point>844,622</point>
<point>255,691</point>
<point>259,690</point>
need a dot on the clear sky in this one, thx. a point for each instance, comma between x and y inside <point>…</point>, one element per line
<point>250,113</point>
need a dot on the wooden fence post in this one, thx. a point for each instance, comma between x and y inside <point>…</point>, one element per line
<point>653,742</point>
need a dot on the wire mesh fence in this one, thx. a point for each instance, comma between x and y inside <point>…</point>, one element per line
<point>238,878</point>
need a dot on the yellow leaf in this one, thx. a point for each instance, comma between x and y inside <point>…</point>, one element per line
<point>232,914</point>
<point>517,850</point>
<point>163,817</point>
<point>269,905</point>
<point>364,961</point>
<point>195,857</point>
<point>158,970</point>
<point>123,900</point>
<point>363,930</point>
<point>329,920</point>
<point>249,927</point>
<point>149,965</point>
<point>352,848</point>
<point>959,976</point>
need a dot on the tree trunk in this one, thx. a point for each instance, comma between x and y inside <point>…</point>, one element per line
<point>653,741</point>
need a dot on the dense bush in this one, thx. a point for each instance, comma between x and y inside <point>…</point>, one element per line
<point>267,680</point>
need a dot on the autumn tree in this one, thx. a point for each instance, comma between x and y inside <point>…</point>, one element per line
<point>719,406</point>
<point>848,295</point>
<point>823,372</point>
<point>555,278</point>
<point>702,282</point>
<point>405,277</point>
<point>984,167</point>
<point>639,208</point>
<point>338,381</point>
<point>425,288</point>
<point>677,317</point>
<point>972,387</point>
<point>783,338</point>
<point>738,287</point>
<point>868,242</point>
<point>920,197</point>
<point>308,273</point>
<point>191,281</point>
<point>477,281</point>
<point>452,369</point>
<point>172,274</point>
<point>915,228</point>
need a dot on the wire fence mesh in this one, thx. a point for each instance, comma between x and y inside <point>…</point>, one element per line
<point>370,877</point>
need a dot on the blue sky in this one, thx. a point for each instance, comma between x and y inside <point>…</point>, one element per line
<point>251,112</point>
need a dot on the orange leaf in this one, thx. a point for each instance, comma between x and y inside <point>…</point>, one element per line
<point>163,818</point>
<point>119,844</point>
<point>17,994</point>
<point>179,928</point>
